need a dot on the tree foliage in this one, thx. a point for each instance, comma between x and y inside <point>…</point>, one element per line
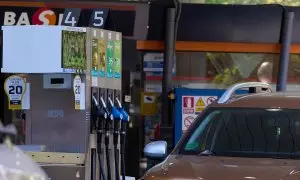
<point>230,69</point>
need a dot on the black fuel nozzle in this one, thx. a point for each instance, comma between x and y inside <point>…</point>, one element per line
<point>102,113</point>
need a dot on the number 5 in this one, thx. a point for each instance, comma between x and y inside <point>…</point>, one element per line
<point>98,16</point>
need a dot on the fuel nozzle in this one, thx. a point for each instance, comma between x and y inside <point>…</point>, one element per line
<point>125,116</point>
<point>117,116</point>
<point>101,110</point>
<point>115,113</point>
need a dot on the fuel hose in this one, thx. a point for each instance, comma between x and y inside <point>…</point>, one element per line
<point>99,148</point>
<point>123,142</point>
<point>116,150</point>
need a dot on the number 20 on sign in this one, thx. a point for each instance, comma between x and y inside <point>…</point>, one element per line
<point>15,87</point>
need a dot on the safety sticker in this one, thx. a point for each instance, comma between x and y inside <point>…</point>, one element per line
<point>200,105</point>
<point>188,121</point>
<point>210,100</point>
<point>188,105</point>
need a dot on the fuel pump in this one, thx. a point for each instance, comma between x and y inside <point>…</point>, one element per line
<point>124,121</point>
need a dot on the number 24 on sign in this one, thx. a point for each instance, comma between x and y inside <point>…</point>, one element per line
<point>77,89</point>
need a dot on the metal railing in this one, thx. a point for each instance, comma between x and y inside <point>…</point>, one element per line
<point>231,90</point>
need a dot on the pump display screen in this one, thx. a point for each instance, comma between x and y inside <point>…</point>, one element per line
<point>73,50</point>
<point>57,81</point>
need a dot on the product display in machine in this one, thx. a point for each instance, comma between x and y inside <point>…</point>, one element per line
<point>102,57</point>
<point>117,59</point>
<point>95,57</point>
<point>110,59</point>
<point>73,50</point>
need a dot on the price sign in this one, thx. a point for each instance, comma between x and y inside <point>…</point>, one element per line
<point>98,17</point>
<point>77,91</point>
<point>71,17</point>
<point>15,87</point>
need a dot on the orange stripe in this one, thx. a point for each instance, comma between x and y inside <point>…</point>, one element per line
<point>25,4</point>
<point>88,5</point>
<point>217,47</point>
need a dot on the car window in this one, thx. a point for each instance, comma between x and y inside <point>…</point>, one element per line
<point>246,132</point>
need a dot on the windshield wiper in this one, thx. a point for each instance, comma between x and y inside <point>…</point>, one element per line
<point>206,152</point>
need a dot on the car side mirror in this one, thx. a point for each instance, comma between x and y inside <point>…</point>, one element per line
<point>156,150</point>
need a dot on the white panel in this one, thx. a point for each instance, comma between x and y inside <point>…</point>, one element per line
<point>32,49</point>
<point>82,97</point>
<point>26,97</point>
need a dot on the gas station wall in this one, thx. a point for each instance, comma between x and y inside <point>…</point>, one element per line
<point>223,23</point>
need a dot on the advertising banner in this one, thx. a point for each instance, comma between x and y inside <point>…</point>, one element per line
<point>11,15</point>
<point>154,64</point>
<point>102,54</point>
<point>95,57</point>
<point>15,87</point>
<point>117,59</point>
<point>74,50</point>
<point>79,93</point>
<point>110,56</point>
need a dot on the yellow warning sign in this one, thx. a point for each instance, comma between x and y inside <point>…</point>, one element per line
<point>199,109</point>
<point>200,102</point>
<point>200,105</point>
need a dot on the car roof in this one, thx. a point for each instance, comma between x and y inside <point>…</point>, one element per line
<point>284,100</point>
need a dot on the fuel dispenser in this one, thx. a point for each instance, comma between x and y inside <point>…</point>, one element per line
<point>69,88</point>
<point>105,85</point>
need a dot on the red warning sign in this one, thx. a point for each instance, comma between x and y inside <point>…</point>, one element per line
<point>188,121</point>
<point>210,100</point>
<point>188,102</point>
<point>188,105</point>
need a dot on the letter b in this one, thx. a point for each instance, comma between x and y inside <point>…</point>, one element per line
<point>9,18</point>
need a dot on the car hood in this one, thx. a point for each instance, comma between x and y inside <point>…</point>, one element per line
<point>225,168</point>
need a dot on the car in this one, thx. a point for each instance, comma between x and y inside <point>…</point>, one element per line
<point>247,136</point>
<point>14,163</point>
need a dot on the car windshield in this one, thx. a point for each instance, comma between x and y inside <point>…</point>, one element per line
<point>245,132</point>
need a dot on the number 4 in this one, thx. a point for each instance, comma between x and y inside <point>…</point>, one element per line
<point>70,20</point>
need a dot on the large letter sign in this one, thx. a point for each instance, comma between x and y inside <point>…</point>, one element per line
<point>15,87</point>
